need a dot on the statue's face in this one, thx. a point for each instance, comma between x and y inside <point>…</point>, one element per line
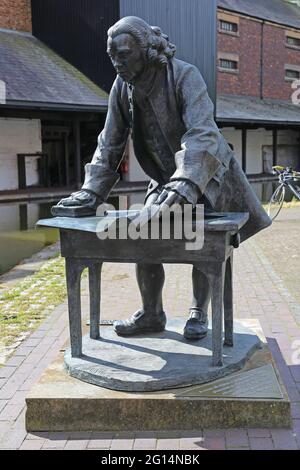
<point>126,56</point>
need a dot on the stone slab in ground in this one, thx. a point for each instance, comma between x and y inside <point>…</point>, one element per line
<point>252,397</point>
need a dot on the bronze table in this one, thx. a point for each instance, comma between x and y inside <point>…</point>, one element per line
<point>82,248</point>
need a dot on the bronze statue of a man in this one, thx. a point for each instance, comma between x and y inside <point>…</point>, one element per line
<point>177,143</point>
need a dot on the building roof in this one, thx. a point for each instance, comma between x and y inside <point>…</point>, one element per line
<point>37,77</point>
<point>276,11</point>
<point>251,110</point>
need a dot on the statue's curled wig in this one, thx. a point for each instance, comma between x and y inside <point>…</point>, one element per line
<point>156,45</point>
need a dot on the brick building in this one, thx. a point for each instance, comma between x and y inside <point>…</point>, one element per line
<point>16,15</point>
<point>273,50</point>
<point>258,60</point>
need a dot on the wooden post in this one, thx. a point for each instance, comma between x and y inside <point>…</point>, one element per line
<point>275,146</point>
<point>67,169</point>
<point>244,150</point>
<point>22,171</point>
<point>76,130</point>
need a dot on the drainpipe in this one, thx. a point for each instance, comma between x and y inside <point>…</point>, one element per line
<point>262,61</point>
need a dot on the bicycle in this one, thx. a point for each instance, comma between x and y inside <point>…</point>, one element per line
<point>288,179</point>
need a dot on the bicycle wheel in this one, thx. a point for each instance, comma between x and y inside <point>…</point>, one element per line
<point>276,202</point>
<point>295,189</point>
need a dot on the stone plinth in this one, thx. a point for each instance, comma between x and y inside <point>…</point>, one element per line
<point>251,397</point>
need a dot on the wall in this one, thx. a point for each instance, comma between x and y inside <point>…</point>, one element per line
<point>259,142</point>
<point>247,46</point>
<point>18,136</point>
<point>190,25</point>
<point>276,54</point>
<point>257,43</point>
<point>16,14</point>
<point>77,31</point>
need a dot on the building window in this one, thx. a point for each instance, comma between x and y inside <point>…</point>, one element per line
<point>228,26</point>
<point>292,74</point>
<point>228,64</point>
<point>293,41</point>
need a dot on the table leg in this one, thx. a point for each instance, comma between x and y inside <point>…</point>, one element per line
<point>228,303</point>
<point>95,296</point>
<point>216,279</point>
<point>74,268</point>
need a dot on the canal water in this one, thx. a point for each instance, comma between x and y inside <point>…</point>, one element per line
<point>20,239</point>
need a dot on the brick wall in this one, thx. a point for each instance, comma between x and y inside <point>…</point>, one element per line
<point>247,46</point>
<point>16,14</point>
<point>276,55</point>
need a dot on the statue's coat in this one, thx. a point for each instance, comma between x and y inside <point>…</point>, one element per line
<point>186,135</point>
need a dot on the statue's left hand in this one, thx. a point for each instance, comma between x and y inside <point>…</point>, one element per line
<point>168,198</point>
<point>177,192</point>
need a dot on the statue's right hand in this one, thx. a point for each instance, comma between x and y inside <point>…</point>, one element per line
<point>83,203</point>
<point>80,198</point>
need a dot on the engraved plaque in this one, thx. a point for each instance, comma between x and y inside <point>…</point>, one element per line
<point>255,383</point>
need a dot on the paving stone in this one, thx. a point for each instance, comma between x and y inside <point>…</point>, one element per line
<point>13,440</point>
<point>3,403</point>
<point>283,439</point>
<point>295,371</point>
<point>11,412</point>
<point>15,361</point>
<point>6,372</point>
<point>31,342</point>
<point>144,444</point>
<point>38,436</point>
<point>38,334</point>
<point>23,351</point>
<point>59,448</point>
<point>214,443</point>
<point>214,433</point>
<point>190,443</point>
<point>2,382</point>
<point>5,427</point>
<point>237,438</point>
<point>257,443</point>
<point>293,393</point>
<point>19,424</point>
<point>99,443</point>
<point>122,444</point>
<point>259,433</point>
<point>18,398</point>
<point>77,444</point>
<point>55,443</point>
<point>31,445</point>
<point>168,444</point>
<point>295,410</point>
<point>296,431</point>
